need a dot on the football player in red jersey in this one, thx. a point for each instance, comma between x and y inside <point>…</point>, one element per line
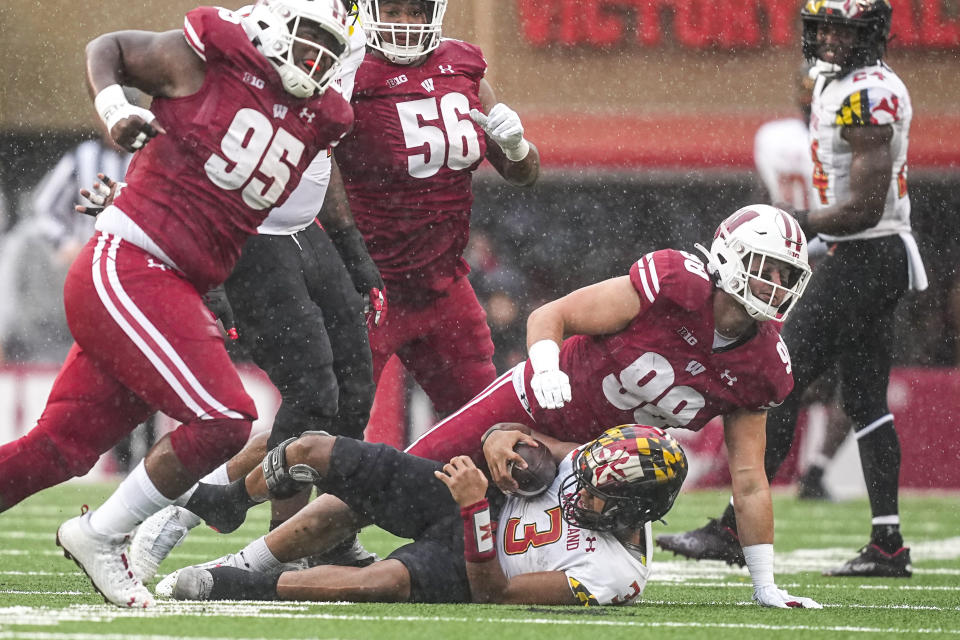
<point>674,343</point>
<point>424,118</point>
<point>239,110</point>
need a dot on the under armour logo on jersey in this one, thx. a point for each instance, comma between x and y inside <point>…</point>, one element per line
<point>397,81</point>
<point>280,111</point>
<point>153,264</point>
<point>446,68</point>
<point>729,378</point>
<point>307,115</point>
<point>590,546</point>
<point>687,336</point>
<point>695,368</point>
<point>427,84</point>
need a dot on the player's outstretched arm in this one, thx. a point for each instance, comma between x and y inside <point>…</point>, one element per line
<point>745,436</point>
<point>513,156</point>
<point>159,64</point>
<point>488,584</point>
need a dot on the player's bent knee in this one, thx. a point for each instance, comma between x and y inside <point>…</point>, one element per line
<point>202,445</point>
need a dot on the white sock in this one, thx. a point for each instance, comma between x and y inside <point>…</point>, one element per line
<point>259,556</point>
<point>217,476</point>
<point>135,500</point>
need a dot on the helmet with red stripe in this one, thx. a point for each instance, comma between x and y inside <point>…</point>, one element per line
<point>759,256</point>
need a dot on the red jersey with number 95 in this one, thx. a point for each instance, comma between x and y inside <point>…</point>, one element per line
<point>407,165</point>
<point>662,369</point>
<point>233,150</point>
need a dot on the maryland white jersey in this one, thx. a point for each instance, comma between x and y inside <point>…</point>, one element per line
<point>871,95</point>
<point>781,153</point>
<point>532,536</point>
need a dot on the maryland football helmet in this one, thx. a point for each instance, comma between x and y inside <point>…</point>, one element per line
<point>742,246</point>
<point>870,18</point>
<point>385,36</point>
<point>637,471</point>
<point>277,27</point>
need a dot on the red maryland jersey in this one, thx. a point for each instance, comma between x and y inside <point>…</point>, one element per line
<point>662,369</point>
<point>407,164</point>
<point>233,150</point>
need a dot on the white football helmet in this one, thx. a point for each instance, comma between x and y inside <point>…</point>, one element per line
<point>418,39</point>
<point>277,23</point>
<point>742,246</point>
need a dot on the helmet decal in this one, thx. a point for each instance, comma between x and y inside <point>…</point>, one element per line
<point>636,471</point>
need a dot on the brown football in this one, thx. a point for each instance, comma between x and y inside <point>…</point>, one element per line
<point>540,471</point>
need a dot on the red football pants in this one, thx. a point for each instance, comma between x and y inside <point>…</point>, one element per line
<point>445,345</point>
<point>144,343</point>
<point>459,434</point>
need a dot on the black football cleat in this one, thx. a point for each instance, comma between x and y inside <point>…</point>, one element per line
<point>714,541</point>
<point>874,562</point>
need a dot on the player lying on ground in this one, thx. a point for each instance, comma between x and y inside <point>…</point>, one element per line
<point>675,343</point>
<point>584,539</point>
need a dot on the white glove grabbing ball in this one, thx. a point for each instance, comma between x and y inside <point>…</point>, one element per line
<point>503,126</point>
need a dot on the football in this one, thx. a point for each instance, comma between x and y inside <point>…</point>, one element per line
<point>540,471</point>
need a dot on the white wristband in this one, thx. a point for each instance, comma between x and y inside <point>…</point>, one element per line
<point>519,152</point>
<point>544,356</point>
<point>110,103</point>
<point>759,559</point>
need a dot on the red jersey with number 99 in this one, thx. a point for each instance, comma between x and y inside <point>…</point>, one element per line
<point>233,150</point>
<point>662,370</point>
<point>407,165</point>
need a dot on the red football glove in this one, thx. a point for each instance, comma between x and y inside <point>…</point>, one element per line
<point>375,307</point>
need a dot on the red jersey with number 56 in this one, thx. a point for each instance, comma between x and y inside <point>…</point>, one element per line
<point>233,150</point>
<point>662,370</point>
<point>407,164</point>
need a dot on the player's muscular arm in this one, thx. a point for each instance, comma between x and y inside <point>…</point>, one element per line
<point>522,173</point>
<point>602,308</point>
<point>745,435</point>
<point>160,64</point>
<point>870,173</point>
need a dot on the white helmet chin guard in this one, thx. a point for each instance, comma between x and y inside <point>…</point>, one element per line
<point>740,255</point>
<point>277,24</point>
<point>418,39</point>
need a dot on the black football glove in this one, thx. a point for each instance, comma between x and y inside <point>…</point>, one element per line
<point>219,306</point>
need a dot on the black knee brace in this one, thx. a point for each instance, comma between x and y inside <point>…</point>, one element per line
<point>283,481</point>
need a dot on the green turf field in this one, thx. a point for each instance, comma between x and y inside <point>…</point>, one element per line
<point>43,595</point>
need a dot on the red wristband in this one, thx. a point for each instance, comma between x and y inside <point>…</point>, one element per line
<point>479,533</point>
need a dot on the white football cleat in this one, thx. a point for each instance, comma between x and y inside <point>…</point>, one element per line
<point>192,583</point>
<point>156,538</point>
<point>104,559</point>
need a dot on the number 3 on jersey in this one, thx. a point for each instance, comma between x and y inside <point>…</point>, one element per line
<point>250,145</point>
<point>455,144</point>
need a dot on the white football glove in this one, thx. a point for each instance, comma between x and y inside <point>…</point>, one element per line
<point>503,126</point>
<point>551,386</point>
<point>113,107</point>
<point>770,596</point>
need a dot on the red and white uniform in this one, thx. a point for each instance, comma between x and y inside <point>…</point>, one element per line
<point>407,166</point>
<point>661,370</point>
<point>532,536</point>
<point>408,163</point>
<point>144,340</point>
<point>233,150</point>
<point>781,154</point>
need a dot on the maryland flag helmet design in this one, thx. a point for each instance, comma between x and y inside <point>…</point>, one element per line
<point>636,470</point>
<point>871,18</point>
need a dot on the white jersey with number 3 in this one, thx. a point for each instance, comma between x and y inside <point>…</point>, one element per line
<point>869,96</point>
<point>532,536</point>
